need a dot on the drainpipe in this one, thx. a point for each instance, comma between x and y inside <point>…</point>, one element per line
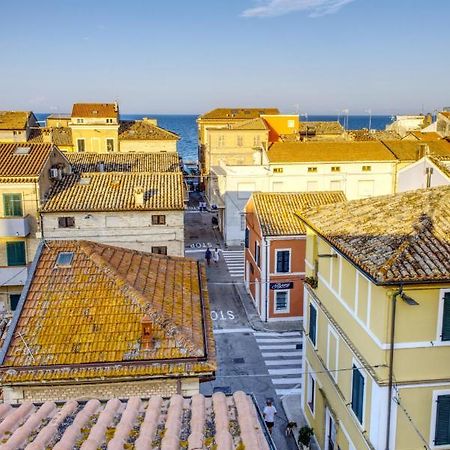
<point>266,279</point>
<point>391,367</point>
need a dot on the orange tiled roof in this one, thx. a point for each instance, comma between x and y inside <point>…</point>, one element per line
<point>401,238</point>
<point>125,162</point>
<point>85,320</point>
<point>319,151</point>
<point>276,212</point>
<point>102,110</point>
<point>115,191</point>
<point>14,163</point>
<point>216,422</point>
<point>252,124</point>
<point>445,114</point>
<point>321,127</point>
<point>238,113</point>
<point>144,130</point>
<point>14,120</point>
<point>57,135</point>
<point>422,136</point>
<point>409,150</point>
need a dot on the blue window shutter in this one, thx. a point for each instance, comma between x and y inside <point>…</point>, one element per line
<point>15,253</point>
<point>442,435</point>
<point>247,233</point>
<point>312,323</point>
<point>358,394</point>
<point>446,318</point>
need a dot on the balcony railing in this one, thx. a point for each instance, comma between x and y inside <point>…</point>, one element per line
<point>15,226</point>
<point>13,275</point>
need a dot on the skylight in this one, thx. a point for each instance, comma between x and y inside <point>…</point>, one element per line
<point>64,259</point>
<point>22,150</point>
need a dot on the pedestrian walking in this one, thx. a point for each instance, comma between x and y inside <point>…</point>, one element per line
<point>269,415</point>
<point>216,256</point>
<point>208,256</point>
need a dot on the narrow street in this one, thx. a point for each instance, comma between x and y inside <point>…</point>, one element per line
<point>244,362</point>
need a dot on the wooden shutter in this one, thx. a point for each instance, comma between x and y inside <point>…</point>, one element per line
<point>247,233</point>
<point>15,253</point>
<point>446,318</point>
<point>358,394</point>
<point>442,434</point>
<point>312,323</point>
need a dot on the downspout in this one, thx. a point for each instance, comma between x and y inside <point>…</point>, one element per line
<point>266,280</point>
<point>391,367</point>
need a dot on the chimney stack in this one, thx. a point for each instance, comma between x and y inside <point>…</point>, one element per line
<point>139,196</point>
<point>116,107</point>
<point>147,333</point>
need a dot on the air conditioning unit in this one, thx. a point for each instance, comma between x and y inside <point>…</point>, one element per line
<point>55,173</point>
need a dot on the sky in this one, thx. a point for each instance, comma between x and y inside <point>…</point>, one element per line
<point>187,57</point>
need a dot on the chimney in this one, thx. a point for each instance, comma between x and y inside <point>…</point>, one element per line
<point>116,107</point>
<point>101,166</point>
<point>423,150</point>
<point>139,196</point>
<point>147,333</point>
<point>150,121</point>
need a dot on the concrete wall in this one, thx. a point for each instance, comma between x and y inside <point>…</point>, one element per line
<point>129,229</point>
<point>414,176</point>
<point>149,146</point>
<point>95,137</point>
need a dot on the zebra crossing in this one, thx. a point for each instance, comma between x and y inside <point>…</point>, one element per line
<point>282,354</point>
<point>234,259</point>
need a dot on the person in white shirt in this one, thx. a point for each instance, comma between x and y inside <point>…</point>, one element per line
<point>216,256</point>
<point>269,415</point>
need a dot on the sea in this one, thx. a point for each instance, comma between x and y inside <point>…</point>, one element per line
<point>186,126</point>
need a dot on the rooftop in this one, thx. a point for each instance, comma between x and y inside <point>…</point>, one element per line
<point>401,238</point>
<point>276,212</point>
<point>23,160</point>
<point>410,150</point>
<point>220,421</point>
<point>144,130</point>
<point>58,135</point>
<point>116,191</point>
<point>445,114</point>
<point>238,113</point>
<point>124,162</point>
<point>252,124</point>
<point>83,317</point>
<point>321,127</point>
<point>372,135</point>
<point>423,136</point>
<point>65,116</point>
<point>100,110</point>
<point>14,120</point>
<point>319,151</point>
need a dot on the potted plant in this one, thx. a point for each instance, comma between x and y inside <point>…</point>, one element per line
<point>304,436</point>
<point>311,281</point>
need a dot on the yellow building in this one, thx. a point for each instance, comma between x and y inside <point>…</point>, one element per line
<point>26,174</point>
<point>377,322</point>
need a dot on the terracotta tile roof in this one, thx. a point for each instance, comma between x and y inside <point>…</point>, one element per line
<point>319,151</point>
<point>410,150</point>
<point>14,164</point>
<point>84,320</point>
<point>14,120</point>
<point>57,135</point>
<point>373,135</point>
<point>238,113</point>
<point>252,124</point>
<point>321,127</point>
<point>276,212</point>
<point>401,238</point>
<point>445,114</point>
<point>102,110</point>
<point>115,191</point>
<point>144,130</point>
<point>65,116</point>
<point>217,422</point>
<point>125,162</point>
<point>422,136</point>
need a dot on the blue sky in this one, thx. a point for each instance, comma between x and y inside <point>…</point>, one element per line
<point>180,56</point>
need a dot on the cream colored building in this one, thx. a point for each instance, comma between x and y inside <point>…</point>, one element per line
<point>377,322</point>
<point>136,210</point>
<point>16,126</point>
<point>27,172</point>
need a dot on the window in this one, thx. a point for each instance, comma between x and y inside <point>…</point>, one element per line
<point>81,144</point>
<point>66,222</point>
<point>109,121</point>
<point>277,170</point>
<point>64,259</point>
<point>442,426</point>
<point>15,253</point>
<point>109,145</point>
<point>240,141</point>
<point>256,141</point>
<point>291,124</point>
<point>159,219</point>
<point>80,120</point>
<point>221,141</point>
<point>283,261</point>
<point>252,269</point>
<point>281,301</point>
<point>242,221</point>
<point>12,205</point>
<point>335,169</point>
<point>366,168</point>
<point>312,324</point>
<point>14,301</point>
<point>257,254</point>
<point>22,150</point>
<point>445,335</point>
<point>312,169</point>
<point>161,250</point>
<point>247,235</point>
<point>311,392</point>
<point>358,393</point>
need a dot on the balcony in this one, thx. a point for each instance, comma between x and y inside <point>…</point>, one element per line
<point>13,275</point>
<point>15,226</point>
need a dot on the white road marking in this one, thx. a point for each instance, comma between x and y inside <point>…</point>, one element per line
<point>273,333</point>
<point>290,371</point>
<point>277,354</point>
<point>232,330</point>
<point>296,380</point>
<point>278,347</point>
<point>294,391</point>
<point>280,340</point>
<point>284,362</point>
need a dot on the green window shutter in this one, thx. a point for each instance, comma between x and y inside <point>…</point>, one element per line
<point>358,394</point>
<point>442,434</point>
<point>15,253</point>
<point>14,300</point>
<point>12,205</point>
<point>445,336</point>
<point>312,323</point>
